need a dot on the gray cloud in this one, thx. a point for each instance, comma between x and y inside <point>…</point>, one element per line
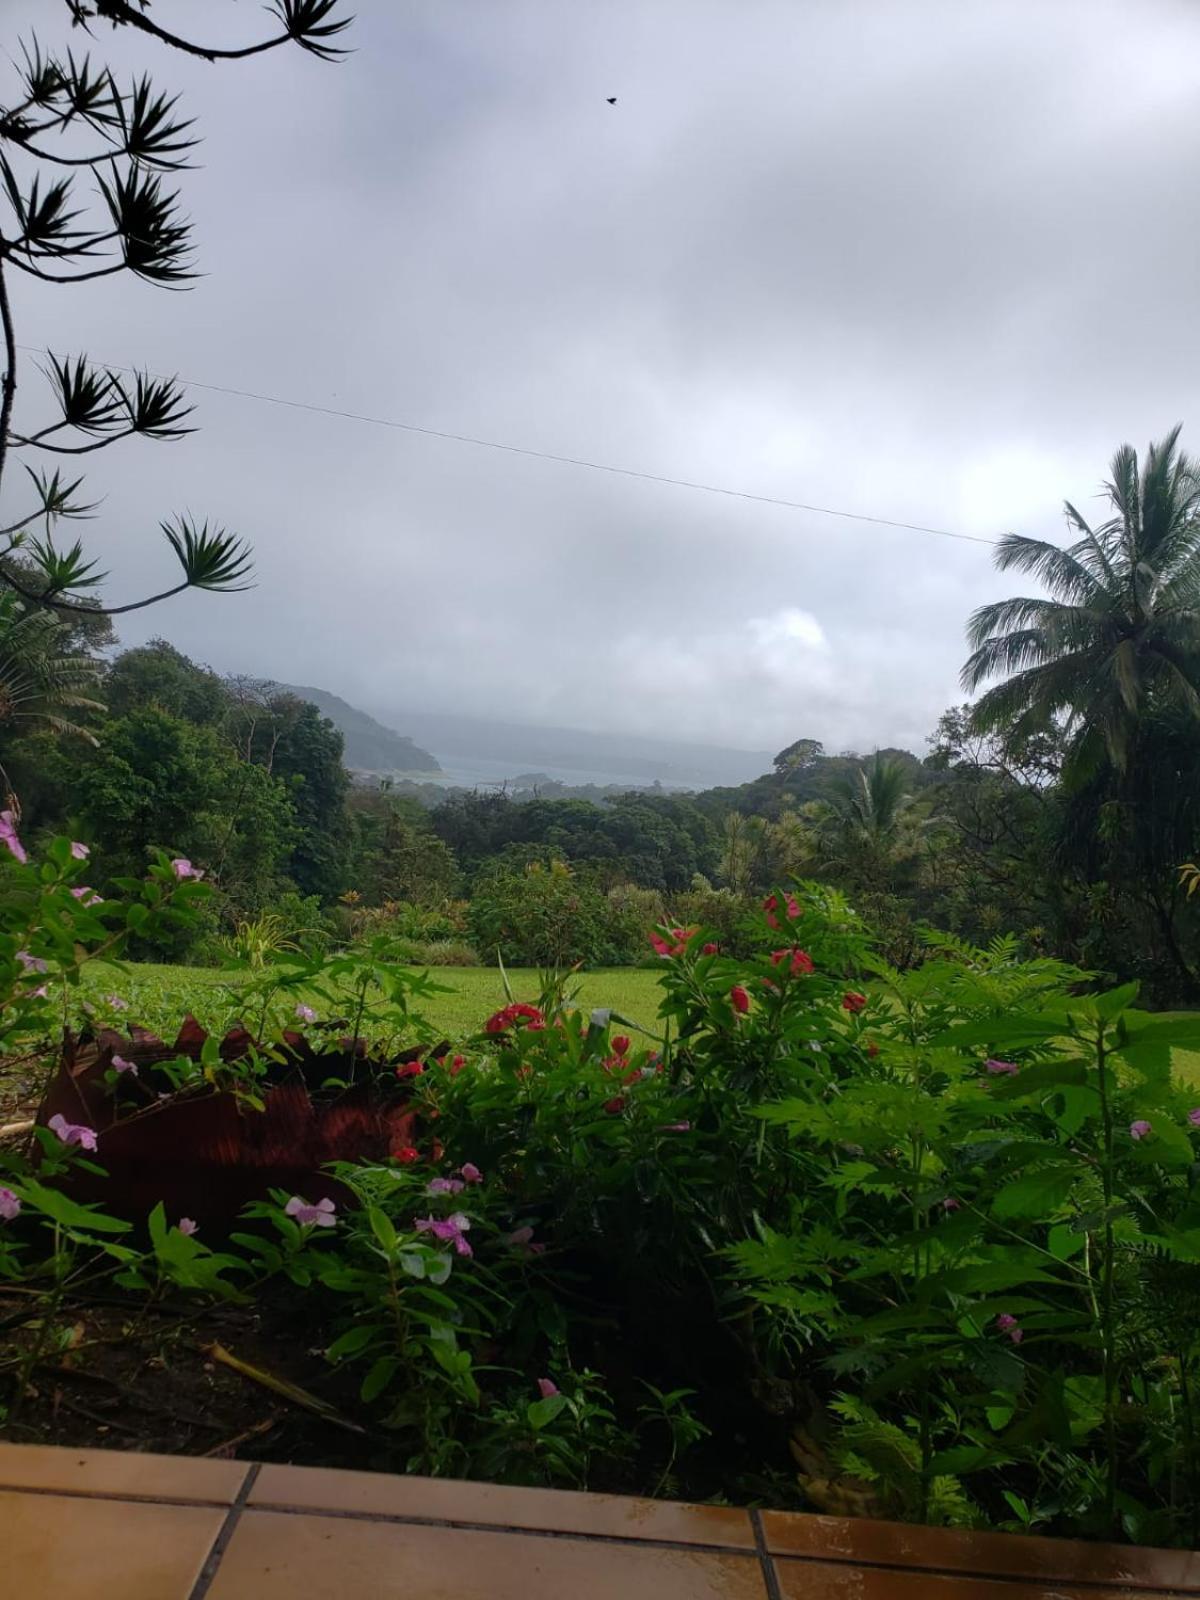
<point>926,260</point>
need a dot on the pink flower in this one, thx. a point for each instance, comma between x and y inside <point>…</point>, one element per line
<point>1000,1068</point>
<point>853,1002</point>
<point>1008,1324</point>
<point>183,868</point>
<point>30,963</point>
<point>547,1388</point>
<point>445,1186</point>
<point>799,961</point>
<point>80,852</point>
<point>121,1065</point>
<point>771,907</point>
<point>1194,1116</point>
<point>306,1013</point>
<point>8,836</point>
<point>502,1020</point>
<point>1139,1129</point>
<point>457,1065</point>
<point>39,993</point>
<point>72,1132</point>
<point>471,1173</point>
<point>519,1236</point>
<point>620,1045</point>
<point>739,999</point>
<point>674,1127</point>
<point>187,1225</point>
<point>951,1204</point>
<point>115,1001</point>
<point>10,1206</point>
<point>310,1216</point>
<point>450,1230</point>
<point>87,896</point>
<point>710,949</point>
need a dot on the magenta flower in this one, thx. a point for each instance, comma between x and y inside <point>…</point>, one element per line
<point>310,1216</point>
<point>306,1013</point>
<point>72,1132</point>
<point>1008,1324</point>
<point>471,1173</point>
<point>87,896</point>
<point>674,1127</point>
<point>1000,1068</point>
<point>183,868</point>
<point>187,1225</point>
<point>518,1236</point>
<point>445,1186</point>
<point>80,851</point>
<point>8,836</point>
<point>121,1065</point>
<point>115,1001</point>
<point>31,963</point>
<point>10,1206</point>
<point>450,1230</point>
<point>547,1388</point>
<point>951,1204</point>
<point>39,993</point>
<point>1139,1129</point>
<point>1194,1116</point>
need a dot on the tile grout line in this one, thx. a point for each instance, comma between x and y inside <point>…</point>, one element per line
<point>765,1559</point>
<point>219,1545</point>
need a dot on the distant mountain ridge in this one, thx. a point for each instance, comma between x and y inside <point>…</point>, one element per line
<point>370,745</point>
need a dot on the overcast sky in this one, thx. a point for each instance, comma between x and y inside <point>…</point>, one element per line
<point>930,262</point>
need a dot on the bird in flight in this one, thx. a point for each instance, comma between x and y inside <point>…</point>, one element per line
<point>612,99</point>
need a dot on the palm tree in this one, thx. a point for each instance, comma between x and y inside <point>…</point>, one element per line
<point>42,682</point>
<point>1120,635</point>
<point>867,824</point>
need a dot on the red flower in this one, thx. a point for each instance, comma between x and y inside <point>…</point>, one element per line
<point>711,950</point>
<point>620,1045</point>
<point>739,999</point>
<point>872,1049</point>
<point>501,1021</point>
<point>666,949</point>
<point>457,1065</point>
<point>406,1155</point>
<point>409,1069</point>
<point>771,906</point>
<point>615,1106</point>
<point>801,961</point>
<point>853,1001</point>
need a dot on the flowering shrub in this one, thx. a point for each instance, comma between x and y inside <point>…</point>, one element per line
<point>937,1230</point>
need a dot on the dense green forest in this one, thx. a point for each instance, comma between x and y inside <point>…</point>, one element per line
<point>987,832</point>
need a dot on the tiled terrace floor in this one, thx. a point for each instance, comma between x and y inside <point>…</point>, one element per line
<point>90,1525</point>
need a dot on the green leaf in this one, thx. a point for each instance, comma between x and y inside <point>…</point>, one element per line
<point>1063,1241</point>
<point>1039,1079</point>
<point>67,1212</point>
<point>1037,1194</point>
<point>381,1227</point>
<point>379,1375</point>
<point>1115,1001</point>
<point>540,1413</point>
<point>1010,1030</point>
<point>353,1342</point>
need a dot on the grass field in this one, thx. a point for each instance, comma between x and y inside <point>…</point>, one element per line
<point>158,997</point>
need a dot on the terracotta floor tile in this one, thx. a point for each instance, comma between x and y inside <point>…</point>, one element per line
<point>1002,1554</point>
<point>448,1499</point>
<point>100,1550</point>
<point>836,1580</point>
<point>119,1472</point>
<point>274,1556</point>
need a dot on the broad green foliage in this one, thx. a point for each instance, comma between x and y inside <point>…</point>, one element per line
<point>938,1226</point>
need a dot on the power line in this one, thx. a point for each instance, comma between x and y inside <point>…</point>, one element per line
<point>548,455</point>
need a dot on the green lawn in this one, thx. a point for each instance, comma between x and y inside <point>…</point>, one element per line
<point>159,997</point>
